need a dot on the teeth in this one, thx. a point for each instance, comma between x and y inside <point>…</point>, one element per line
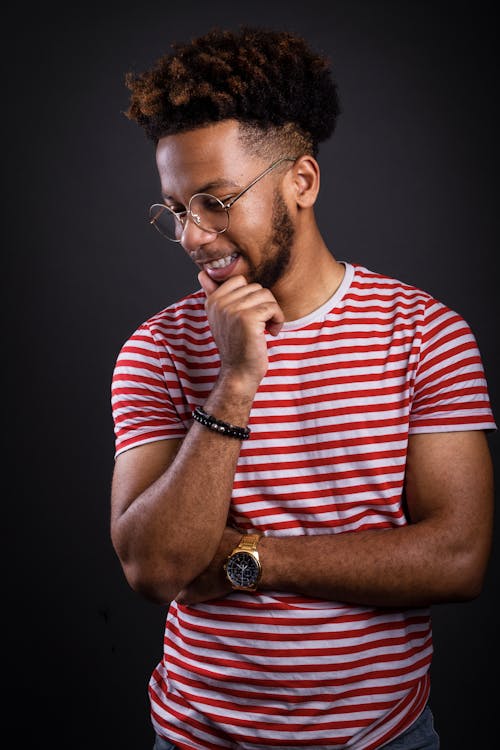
<point>222,262</point>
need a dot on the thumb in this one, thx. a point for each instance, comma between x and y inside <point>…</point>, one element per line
<point>208,285</point>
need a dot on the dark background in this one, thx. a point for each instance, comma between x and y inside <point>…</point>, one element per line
<point>409,188</point>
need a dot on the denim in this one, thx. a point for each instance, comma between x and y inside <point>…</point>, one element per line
<point>161,744</point>
<point>420,736</point>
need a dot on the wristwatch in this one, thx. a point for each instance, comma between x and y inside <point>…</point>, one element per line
<point>243,568</point>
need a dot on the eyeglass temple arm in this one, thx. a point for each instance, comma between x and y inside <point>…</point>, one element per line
<point>259,177</point>
<point>157,214</point>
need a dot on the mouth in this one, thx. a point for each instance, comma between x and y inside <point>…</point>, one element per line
<point>221,269</point>
<point>220,262</point>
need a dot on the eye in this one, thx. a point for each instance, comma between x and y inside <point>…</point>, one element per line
<point>227,199</point>
<point>176,208</point>
<point>210,203</point>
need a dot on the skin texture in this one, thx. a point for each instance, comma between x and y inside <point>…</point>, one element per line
<point>170,532</point>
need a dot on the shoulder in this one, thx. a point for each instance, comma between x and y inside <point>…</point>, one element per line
<point>177,323</point>
<point>396,294</point>
<point>189,310</point>
<point>373,284</point>
<point>180,318</point>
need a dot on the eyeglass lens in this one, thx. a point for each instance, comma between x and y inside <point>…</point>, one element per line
<point>207,212</point>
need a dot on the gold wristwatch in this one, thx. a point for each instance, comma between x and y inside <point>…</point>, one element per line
<point>243,568</point>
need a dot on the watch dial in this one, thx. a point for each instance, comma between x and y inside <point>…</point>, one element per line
<point>243,569</point>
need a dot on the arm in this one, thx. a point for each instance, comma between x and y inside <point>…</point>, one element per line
<point>170,499</point>
<point>169,506</point>
<point>441,555</point>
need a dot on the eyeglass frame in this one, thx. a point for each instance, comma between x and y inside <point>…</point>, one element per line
<point>226,206</point>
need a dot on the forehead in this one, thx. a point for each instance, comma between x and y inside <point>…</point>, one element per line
<point>188,161</point>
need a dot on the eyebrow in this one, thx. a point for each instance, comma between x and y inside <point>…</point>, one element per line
<point>212,185</point>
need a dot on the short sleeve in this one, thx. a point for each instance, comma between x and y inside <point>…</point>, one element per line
<point>143,391</point>
<point>450,391</point>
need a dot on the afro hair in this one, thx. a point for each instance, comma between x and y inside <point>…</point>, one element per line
<point>263,79</point>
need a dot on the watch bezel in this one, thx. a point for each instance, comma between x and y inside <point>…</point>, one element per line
<point>239,584</point>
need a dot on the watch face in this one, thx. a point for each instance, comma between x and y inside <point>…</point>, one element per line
<point>243,569</point>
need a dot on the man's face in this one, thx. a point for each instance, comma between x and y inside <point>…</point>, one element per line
<point>260,236</point>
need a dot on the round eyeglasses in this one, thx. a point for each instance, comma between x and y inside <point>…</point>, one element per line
<point>206,211</point>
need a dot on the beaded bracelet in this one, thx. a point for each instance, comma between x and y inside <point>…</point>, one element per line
<point>217,425</point>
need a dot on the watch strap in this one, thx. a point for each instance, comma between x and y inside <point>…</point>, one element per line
<point>248,543</point>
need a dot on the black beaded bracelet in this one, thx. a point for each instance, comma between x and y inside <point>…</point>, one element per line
<point>217,425</point>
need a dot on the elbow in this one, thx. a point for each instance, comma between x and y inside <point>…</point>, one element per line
<point>467,578</point>
<point>158,580</point>
<point>471,586</point>
<point>159,588</point>
<point>463,591</point>
<point>146,574</point>
<point>158,575</point>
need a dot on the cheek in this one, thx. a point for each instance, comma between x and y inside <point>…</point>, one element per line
<point>254,219</point>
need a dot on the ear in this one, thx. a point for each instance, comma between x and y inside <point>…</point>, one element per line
<point>306,181</point>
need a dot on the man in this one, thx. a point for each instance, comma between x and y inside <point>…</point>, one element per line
<point>301,463</point>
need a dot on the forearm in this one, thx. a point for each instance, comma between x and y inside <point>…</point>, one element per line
<point>441,556</point>
<point>170,532</point>
<point>409,566</point>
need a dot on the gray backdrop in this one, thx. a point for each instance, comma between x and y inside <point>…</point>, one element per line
<point>409,188</point>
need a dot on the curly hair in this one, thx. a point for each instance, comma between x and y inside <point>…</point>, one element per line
<point>269,81</point>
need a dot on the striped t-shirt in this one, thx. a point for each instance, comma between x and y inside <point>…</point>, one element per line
<point>345,387</point>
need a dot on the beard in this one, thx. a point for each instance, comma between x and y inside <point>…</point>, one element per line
<point>277,253</point>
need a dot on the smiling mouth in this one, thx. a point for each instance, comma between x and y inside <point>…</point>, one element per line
<point>221,262</point>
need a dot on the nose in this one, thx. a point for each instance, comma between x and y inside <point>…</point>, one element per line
<point>193,236</point>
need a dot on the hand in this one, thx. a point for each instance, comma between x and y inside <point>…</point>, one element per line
<point>212,583</point>
<point>239,314</point>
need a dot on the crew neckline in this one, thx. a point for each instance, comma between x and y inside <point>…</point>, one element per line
<point>326,307</point>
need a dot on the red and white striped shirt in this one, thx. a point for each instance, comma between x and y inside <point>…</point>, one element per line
<point>345,387</point>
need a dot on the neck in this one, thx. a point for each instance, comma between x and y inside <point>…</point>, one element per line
<point>312,278</point>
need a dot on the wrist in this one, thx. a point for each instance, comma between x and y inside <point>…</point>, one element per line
<point>278,562</point>
<point>219,425</point>
<point>231,400</point>
<point>240,385</point>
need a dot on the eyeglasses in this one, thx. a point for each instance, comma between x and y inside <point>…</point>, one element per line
<point>206,211</point>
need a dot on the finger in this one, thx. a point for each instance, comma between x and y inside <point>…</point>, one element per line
<point>274,327</point>
<point>208,285</point>
<point>262,301</point>
<point>274,324</point>
<point>233,283</point>
<point>266,314</point>
<point>237,290</point>
<point>242,296</point>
